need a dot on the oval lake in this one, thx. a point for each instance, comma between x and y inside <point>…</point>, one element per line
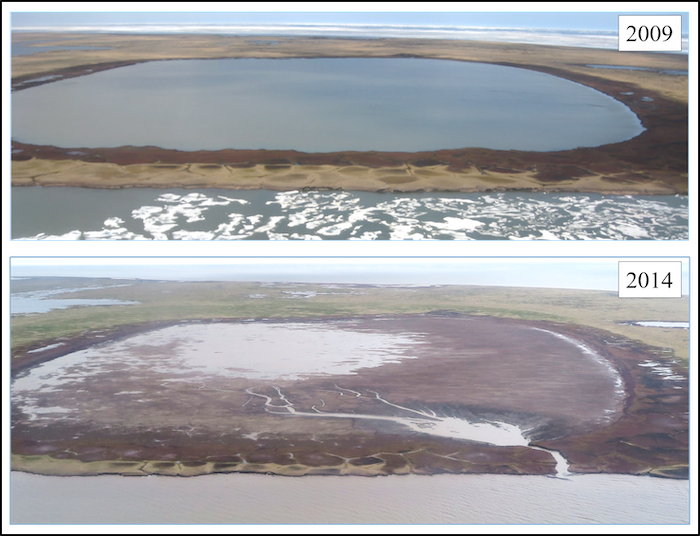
<point>320,105</point>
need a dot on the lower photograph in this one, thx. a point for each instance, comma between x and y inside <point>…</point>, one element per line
<point>326,390</point>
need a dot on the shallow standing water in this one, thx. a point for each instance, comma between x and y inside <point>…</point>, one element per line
<point>211,214</point>
<point>40,301</point>
<point>320,105</point>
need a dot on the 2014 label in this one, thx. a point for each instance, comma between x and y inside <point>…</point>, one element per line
<point>649,279</point>
<point>642,280</point>
<point>649,32</point>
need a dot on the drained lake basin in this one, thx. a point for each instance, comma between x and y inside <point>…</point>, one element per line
<point>320,105</point>
<point>342,396</point>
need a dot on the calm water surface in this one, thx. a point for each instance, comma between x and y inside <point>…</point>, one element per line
<point>177,214</point>
<point>262,499</point>
<point>320,105</point>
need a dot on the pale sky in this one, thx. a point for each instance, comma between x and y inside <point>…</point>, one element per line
<point>337,13</point>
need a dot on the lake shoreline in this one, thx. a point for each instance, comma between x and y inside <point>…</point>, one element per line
<point>655,162</point>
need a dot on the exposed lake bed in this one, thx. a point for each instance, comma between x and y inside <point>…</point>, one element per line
<point>143,405</point>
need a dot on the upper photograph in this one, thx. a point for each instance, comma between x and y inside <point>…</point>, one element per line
<point>347,126</point>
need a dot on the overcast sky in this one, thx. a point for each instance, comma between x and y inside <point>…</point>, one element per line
<point>576,273</point>
<point>504,19</point>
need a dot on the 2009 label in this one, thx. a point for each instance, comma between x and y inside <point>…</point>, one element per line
<point>649,32</point>
<point>654,33</point>
<point>649,279</point>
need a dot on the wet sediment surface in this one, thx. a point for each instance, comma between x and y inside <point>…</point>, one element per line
<point>438,387</point>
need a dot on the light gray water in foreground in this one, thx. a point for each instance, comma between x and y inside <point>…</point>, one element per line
<point>213,214</point>
<point>262,499</point>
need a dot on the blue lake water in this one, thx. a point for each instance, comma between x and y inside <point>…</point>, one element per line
<point>320,105</point>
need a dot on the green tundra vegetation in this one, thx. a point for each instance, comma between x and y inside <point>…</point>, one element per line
<point>175,301</point>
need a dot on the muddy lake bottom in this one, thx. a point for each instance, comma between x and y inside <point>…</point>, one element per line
<point>67,213</point>
<point>360,390</point>
<point>317,373</point>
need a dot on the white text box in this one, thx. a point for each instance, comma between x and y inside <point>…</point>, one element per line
<point>652,33</point>
<point>649,279</point>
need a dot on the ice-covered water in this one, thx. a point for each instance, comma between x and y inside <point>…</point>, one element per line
<point>177,214</point>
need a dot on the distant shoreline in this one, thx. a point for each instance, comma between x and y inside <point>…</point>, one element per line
<point>653,163</point>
